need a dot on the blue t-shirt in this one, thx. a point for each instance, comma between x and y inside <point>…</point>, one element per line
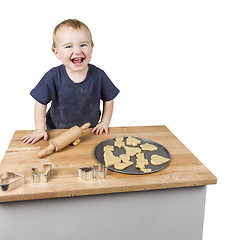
<point>73,103</point>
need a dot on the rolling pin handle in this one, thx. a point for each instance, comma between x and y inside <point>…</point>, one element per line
<point>84,126</point>
<point>49,149</point>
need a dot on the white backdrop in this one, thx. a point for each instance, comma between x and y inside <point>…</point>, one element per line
<point>169,59</point>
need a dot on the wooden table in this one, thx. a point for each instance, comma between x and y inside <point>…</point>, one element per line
<point>184,179</point>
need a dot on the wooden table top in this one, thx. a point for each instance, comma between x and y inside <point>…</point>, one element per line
<point>184,170</point>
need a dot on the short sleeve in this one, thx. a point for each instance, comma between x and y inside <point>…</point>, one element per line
<point>43,90</point>
<point>109,91</point>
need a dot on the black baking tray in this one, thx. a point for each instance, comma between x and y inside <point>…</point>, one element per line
<point>162,151</point>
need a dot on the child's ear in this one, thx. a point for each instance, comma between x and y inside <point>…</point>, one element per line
<point>55,51</point>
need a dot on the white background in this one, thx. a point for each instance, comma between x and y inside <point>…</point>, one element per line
<point>168,58</point>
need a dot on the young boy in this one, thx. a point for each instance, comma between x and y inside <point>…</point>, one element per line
<point>74,88</point>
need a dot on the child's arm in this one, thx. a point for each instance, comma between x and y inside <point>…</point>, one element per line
<point>40,132</point>
<point>102,126</point>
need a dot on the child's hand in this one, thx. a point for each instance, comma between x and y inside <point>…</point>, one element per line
<point>100,128</point>
<point>35,136</point>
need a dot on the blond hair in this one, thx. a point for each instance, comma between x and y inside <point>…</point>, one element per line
<point>75,24</point>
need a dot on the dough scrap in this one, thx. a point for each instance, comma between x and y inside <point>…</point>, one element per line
<point>76,142</point>
<point>132,151</point>
<point>119,142</point>
<point>148,147</point>
<point>158,160</point>
<point>132,141</point>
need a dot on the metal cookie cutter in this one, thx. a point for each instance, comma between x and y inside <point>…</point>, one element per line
<point>97,172</point>
<point>85,173</point>
<point>100,171</point>
<point>11,180</point>
<point>41,173</point>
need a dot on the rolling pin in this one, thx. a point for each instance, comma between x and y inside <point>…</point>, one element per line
<point>63,140</point>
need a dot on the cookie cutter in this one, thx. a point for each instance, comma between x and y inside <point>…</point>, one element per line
<point>41,173</point>
<point>100,171</point>
<point>11,180</point>
<point>85,173</point>
<point>97,171</point>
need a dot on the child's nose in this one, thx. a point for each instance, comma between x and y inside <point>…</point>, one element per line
<point>77,50</point>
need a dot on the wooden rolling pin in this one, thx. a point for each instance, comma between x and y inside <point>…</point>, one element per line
<point>63,140</point>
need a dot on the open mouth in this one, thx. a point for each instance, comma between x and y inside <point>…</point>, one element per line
<point>77,60</point>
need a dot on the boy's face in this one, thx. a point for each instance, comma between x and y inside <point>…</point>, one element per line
<point>73,48</point>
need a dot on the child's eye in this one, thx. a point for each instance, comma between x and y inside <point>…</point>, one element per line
<point>83,45</point>
<point>68,46</point>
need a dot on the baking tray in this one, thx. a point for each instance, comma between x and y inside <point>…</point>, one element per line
<point>162,151</point>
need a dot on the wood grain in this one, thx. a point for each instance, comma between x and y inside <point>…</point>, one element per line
<point>184,170</point>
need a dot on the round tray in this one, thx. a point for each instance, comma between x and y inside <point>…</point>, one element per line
<point>99,155</point>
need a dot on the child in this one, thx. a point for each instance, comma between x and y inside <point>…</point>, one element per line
<point>74,88</point>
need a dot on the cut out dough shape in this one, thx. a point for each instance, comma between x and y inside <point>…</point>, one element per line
<point>108,148</point>
<point>132,141</point>
<point>125,157</point>
<point>123,165</point>
<point>110,159</point>
<point>119,142</point>
<point>132,151</point>
<point>148,147</point>
<point>158,160</point>
<point>142,168</point>
<point>145,170</point>
<point>140,159</point>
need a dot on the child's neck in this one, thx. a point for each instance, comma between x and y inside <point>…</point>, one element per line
<point>77,77</point>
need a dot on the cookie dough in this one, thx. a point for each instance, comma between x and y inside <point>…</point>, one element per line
<point>125,162</point>
<point>76,142</point>
<point>142,168</point>
<point>148,147</point>
<point>132,141</point>
<point>132,151</point>
<point>140,159</point>
<point>108,148</point>
<point>125,157</point>
<point>145,170</point>
<point>110,159</point>
<point>158,160</point>
<point>123,165</point>
<point>119,142</point>
<point>134,148</point>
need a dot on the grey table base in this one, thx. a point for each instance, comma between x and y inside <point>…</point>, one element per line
<point>173,214</point>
